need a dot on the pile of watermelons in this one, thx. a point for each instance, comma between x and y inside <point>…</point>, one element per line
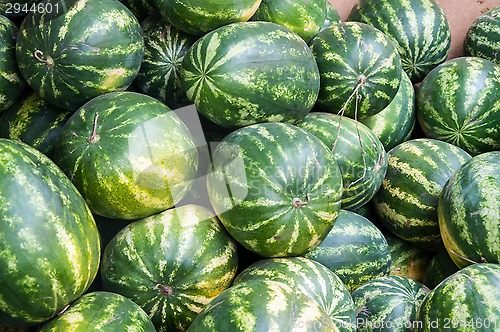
<point>218,165</point>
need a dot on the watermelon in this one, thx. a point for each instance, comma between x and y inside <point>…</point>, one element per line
<point>360,69</point>
<point>140,8</point>
<point>483,36</point>
<point>407,260</point>
<point>440,267</point>
<point>305,18</point>
<point>128,154</point>
<point>274,201</point>
<point>354,249</point>
<point>172,264</point>
<point>164,49</point>
<point>311,278</point>
<point>262,305</point>
<point>101,311</point>
<point>458,103</point>
<point>358,152</point>
<point>469,211</point>
<point>331,17</point>
<point>69,59</point>
<point>395,123</point>
<point>251,72</point>
<point>388,303</point>
<point>11,82</point>
<point>419,28</point>
<point>49,243</point>
<point>407,201</point>
<point>466,301</point>
<point>34,121</point>
<point>198,17</point>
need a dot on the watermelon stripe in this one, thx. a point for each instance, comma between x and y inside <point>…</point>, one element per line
<point>481,39</point>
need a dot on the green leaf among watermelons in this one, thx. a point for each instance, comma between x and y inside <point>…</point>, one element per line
<point>388,303</point>
<point>360,69</point>
<point>49,243</point>
<point>83,49</point>
<point>440,267</point>
<point>171,264</point>
<point>469,211</point>
<point>198,17</point>
<point>419,28</point>
<point>262,305</point>
<point>34,121</point>
<point>466,301</point>
<point>311,278</point>
<point>11,82</point>
<point>483,37</point>
<point>458,102</point>
<point>407,260</point>
<point>103,312</point>
<point>251,72</point>
<point>164,49</point>
<point>358,152</point>
<point>128,154</point>
<point>355,250</point>
<point>395,123</point>
<point>272,199</point>
<point>407,201</point>
<point>305,18</point>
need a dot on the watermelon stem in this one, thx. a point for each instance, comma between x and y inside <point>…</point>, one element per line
<point>463,257</point>
<point>298,203</point>
<point>48,61</point>
<point>94,137</point>
<point>165,290</point>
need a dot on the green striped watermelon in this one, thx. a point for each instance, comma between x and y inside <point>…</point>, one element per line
<point>272,199</point>
<point>49,243</point>
<point>360,69</point>
<point>483,36</point>
<point>34,121</point>
<point>331,17</point>
<point>171,264</point>
<point>469,211</point>
<point>11,82</point>
<point>394,124</point>
<point>262,305</point>
<point>84,49</point>
<point>419,28</point>
<point>164,49</point>
<point>358,152</point>
<point>103,312</point>
<point>466,301</point>
<point>440,267</point>
<point>128,154</point>
<point>311,278</point>
<point>305,18</point>
<point>198,17</point>
<point>354,249</point>
<point>140,8</point>
<point>407,260</point>
<point>407,201</point>
<point>458,103</point>
<point>388,303</point>
<point>251,72</point>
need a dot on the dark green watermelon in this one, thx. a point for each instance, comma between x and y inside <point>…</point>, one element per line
<point>11,82</point>
<point>360,69</point>
<point>82,50</point>
<point>49,243</point>
<point>172,264</point>
<point>483,37</point>
<point>407,260</point>
<point>440,267</point>
<point>103,312</point>
<point>251,72</point>
<point>128,154</point>
<point>273,200</point>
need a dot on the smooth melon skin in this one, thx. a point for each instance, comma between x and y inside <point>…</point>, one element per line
<point>49,242</point>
